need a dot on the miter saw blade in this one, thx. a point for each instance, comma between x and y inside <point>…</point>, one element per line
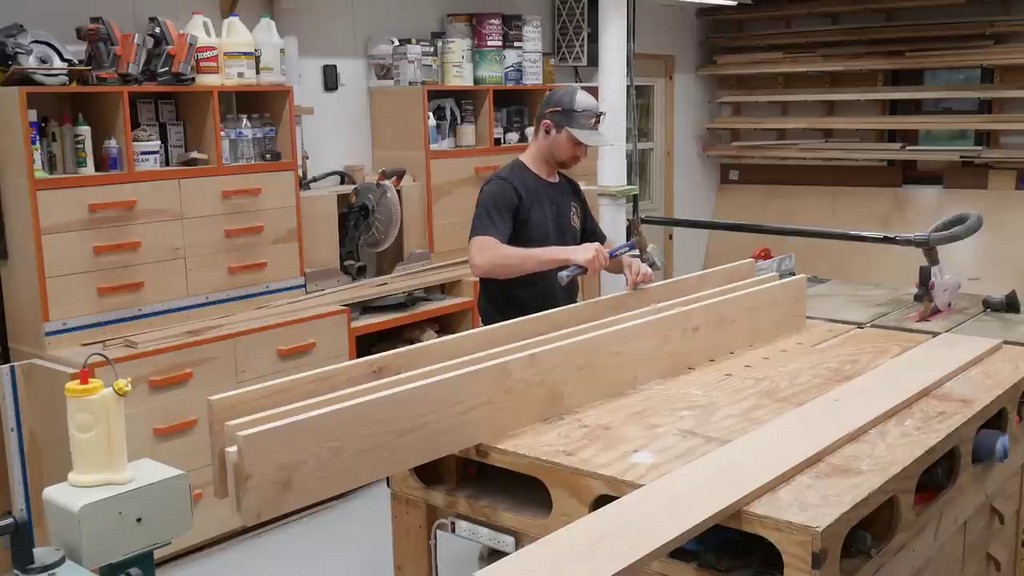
<point>385,215</point>
<point>36,50</point>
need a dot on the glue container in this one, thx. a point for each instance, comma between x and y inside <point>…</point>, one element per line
<point>269,52</point>
<point>207,64</point>
<point>85,161</point>
<point>237,53</point>
<point>111,155</point>
<point>96,429</point>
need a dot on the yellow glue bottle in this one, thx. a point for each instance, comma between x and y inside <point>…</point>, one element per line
<point>99,449</point>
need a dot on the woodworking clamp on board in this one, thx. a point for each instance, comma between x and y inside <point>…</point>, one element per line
<point>935,289</point>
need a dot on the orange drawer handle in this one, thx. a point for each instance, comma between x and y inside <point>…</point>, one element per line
<point>247,267</point>
<point>483,170</point>
<point>254,191</point>
<point>116,288</point>
<point>126,246</point>
<point>197,496</point>
<point>129,204</point>
<point>243,231</point>
<point>295,349</point>
<point>176,428</point>
<point>170,379</point>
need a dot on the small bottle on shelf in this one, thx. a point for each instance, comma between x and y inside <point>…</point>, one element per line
<point>225,145</point>
<point>85,163</point>
<point>111,155</point>
<point>244,135</point>
<point>230,124</point>
<point>269,134</point>
<point>258,145</point>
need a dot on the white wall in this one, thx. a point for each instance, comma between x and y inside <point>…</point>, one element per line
<point>337,31</point>
<point>60,17</point>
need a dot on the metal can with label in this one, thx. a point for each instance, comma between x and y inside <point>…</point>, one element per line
<point>513,70</point>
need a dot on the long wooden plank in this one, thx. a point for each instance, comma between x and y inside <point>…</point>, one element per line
<point>908,122</point>
<point>302,460</point>
<point>981,91</point>
<point>679,506</point>
<point>820,8</point>
<point>299,408</point>
<point>251,400</point>
<point>1008,55</point>
<point>838,153</point>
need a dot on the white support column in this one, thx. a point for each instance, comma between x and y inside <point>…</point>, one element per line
<point>611,161</point>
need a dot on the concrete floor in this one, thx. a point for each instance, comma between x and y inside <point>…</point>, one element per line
<point>352,536</point>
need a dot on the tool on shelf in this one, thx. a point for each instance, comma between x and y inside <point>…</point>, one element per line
<point>42,58</point>
<point>114,58</point>
<point>935,290</point>
<point>169,60</point>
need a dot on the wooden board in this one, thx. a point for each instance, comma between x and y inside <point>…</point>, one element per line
<point>302,460</point>
<point>965,307</point>
<point>681,505</point>
<point>275,394</point>
<point>857,304</point>
<point>981,91</point>
<point>1007,327</point>
<point>233,427</point>
<point>898,122</point>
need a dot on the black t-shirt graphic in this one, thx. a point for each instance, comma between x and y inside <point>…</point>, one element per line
<point>519,208</point>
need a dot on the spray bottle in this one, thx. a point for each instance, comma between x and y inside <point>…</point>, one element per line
<point>96,429</point>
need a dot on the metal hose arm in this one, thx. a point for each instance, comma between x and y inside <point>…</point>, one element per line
<point>949,230</point>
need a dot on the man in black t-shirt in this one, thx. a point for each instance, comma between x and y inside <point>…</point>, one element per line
<point>532,220</point>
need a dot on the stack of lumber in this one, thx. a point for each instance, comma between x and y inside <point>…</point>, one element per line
<point>415,279</point>
<point>655,356</point>
<point>832,69</point>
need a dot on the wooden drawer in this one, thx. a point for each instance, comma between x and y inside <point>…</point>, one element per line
<point>224,271</point>
<point>196,372</point>
<point>106,248</point>
<point>315,343</point>
<point>94,292</point>
<point>211,516</point>
<point>230,232</point>
<point>232,194</point>
<point>455,186</point>
<point>174,432</point>
<point>94,207</point>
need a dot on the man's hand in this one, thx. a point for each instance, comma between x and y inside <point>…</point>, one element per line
<point>636,272</point>
<point>592,256</point>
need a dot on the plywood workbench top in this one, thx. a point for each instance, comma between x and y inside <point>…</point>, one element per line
<point>645,434</point>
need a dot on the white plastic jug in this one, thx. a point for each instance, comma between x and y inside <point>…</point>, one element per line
<point>96,430</point>
<point>269,52</point>
<point>207,62</point>
<point>237,53</point>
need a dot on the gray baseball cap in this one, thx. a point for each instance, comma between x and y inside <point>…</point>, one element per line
<point>576,110</point>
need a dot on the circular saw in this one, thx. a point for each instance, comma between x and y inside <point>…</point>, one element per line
<point>45,59</point>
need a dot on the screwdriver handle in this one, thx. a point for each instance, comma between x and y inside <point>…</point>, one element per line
<point>575,271</point>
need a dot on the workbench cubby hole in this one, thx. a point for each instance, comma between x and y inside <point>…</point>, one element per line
<point>103,111</point>
<point>936,479</point>
<point>990,438</point>
<point>184,121</point>
<point>274,102</point>
<point>601,501</point>
<point>469,105</point>
<point>729,551</point>
<point>869,537</point>
<point>487,485</point>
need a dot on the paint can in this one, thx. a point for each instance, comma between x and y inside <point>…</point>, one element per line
<point>488,31</point>
<point>467,111</point>
<point>489,67</point>
<point>456,50</point>
<point>459,26</point>
<point>513,30</point>
<point>457,73</point>
<point>533,68</point>
<point>513,66</point>
<point>533,38</point>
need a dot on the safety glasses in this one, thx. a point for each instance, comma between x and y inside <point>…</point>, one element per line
<point>581,118</point>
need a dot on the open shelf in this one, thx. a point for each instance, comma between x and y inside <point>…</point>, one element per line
<point>115,110</point>
<point>104,112</point>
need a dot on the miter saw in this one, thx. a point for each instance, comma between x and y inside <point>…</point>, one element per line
<point>42,58</point>
<point>935,290</point>
<point>369,217</point>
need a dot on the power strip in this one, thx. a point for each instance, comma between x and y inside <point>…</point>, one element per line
<point>484,536</point>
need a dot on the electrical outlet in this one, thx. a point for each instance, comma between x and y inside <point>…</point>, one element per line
<point>484,536</point>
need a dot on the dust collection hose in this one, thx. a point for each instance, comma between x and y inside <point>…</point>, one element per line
<point>952,229</point>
